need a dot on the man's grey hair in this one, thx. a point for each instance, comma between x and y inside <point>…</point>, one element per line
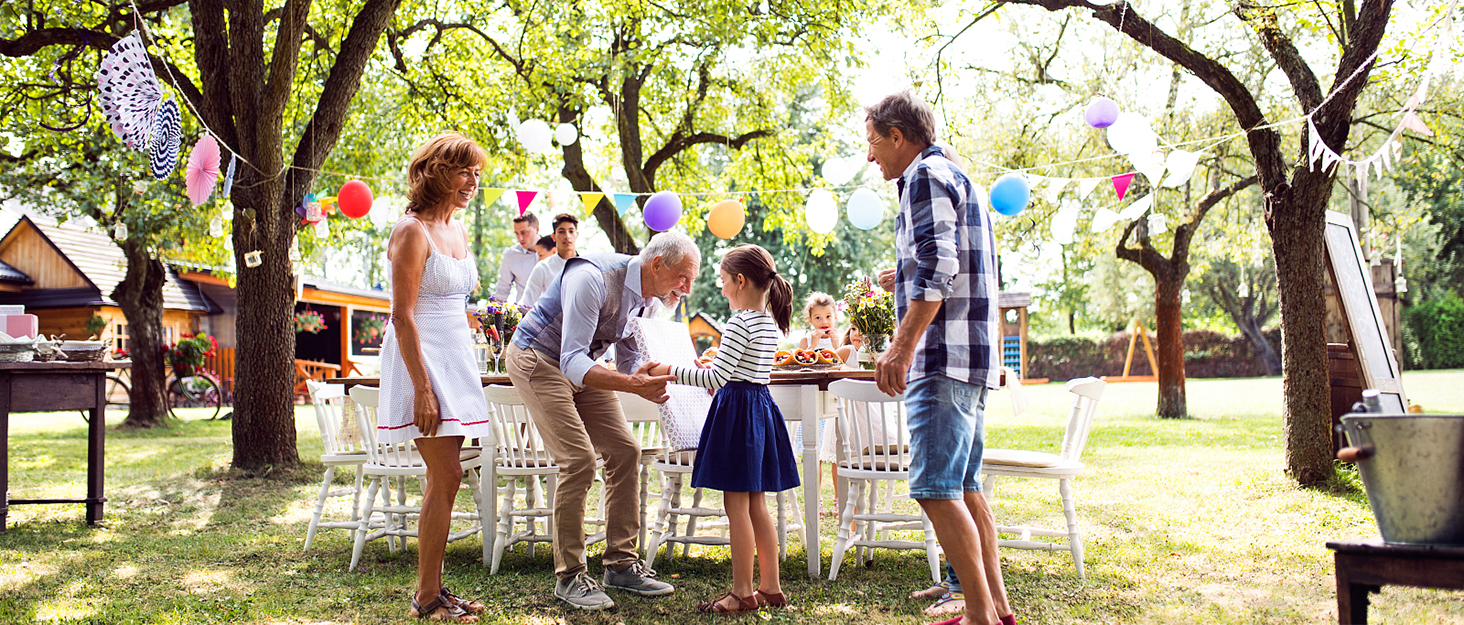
<point>673,247</point>
<point>906,111</point>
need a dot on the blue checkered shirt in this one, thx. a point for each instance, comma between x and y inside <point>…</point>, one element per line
<point>946,252</point>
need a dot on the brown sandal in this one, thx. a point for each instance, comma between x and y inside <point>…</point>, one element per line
<point>455,613</point>
<point>744,604</point>
<point>775,599</point>
<point>468,605</point>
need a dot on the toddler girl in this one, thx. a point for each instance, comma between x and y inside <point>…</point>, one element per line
<point>744,448</point>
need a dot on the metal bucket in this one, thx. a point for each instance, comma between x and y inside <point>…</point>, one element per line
<point>1413,468</point>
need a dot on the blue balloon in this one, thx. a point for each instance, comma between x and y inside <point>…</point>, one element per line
<point>865,209</point>
<point>1010,193</point>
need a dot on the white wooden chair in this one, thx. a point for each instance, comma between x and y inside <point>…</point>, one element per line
<point>340,450</point>
<point>874,447</point>
<point>1063,467</point>
<point>387,461</point>
<point>518,454</point>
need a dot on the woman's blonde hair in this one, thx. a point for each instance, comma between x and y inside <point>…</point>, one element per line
<point>429,175</point>
<point>818,299</point>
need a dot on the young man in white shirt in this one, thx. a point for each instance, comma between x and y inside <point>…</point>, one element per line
<point>519,259</point>
<point>566,232</point>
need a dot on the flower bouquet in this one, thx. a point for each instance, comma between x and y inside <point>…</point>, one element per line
<point>871,311</point>
<point>187,355</point>
<point>499,320</point>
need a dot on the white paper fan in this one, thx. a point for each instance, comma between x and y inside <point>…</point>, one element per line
<point>130,95</point>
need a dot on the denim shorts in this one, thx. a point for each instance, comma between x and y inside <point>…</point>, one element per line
<point>945,417</point>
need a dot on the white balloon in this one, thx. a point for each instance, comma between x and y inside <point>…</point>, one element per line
<point>1137,209</point>
<point>1064,225</point>
<point>865,209</point>
<point>1131,133</point>
<point>566,134</point>
<point>821,211</point>
<point>838,171</point>
<point>535,136</point>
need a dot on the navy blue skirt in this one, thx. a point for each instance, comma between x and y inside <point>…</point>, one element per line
<point>744,444</point>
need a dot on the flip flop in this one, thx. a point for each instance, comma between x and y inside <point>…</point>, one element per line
<point>949,603</point>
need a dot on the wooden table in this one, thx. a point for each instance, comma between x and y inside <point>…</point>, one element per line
<point>805,409</point>
<point>50,387</point>
<point>1367,566</point>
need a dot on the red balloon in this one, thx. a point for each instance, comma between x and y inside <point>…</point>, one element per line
<point>354,199</point>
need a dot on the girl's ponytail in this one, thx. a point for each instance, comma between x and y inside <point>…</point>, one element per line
<point>780,302</point>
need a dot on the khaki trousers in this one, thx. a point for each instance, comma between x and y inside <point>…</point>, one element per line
<point>579,424</point>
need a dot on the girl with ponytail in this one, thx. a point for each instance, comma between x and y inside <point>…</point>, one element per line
<point>744,448</point>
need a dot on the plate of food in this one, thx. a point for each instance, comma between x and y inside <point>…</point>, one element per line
<point>805,360</point>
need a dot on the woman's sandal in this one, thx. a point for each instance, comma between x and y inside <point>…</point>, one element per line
<point>455,613</point>
<point>744,604</point>
<point>468,605</point>
<point>775,599</point>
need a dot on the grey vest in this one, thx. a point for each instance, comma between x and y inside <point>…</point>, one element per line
<point>543,329</point>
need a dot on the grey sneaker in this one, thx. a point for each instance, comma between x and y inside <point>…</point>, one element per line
<point>582,592</point>
<point>638,579</point>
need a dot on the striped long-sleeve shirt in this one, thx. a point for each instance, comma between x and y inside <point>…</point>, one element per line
<point>745,355</point>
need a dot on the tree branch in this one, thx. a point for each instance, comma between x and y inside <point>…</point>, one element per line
<point>1263,21</point>
<point>34,41</point>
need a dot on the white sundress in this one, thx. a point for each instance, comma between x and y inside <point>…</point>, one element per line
<point>447,353</point>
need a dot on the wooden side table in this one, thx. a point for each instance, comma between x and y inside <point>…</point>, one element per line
<point>1367,566</point>
<point>50,387</point>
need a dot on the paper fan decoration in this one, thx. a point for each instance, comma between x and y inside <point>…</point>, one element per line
<point>229,176</point>
<point>203,169</point>
<point>167,132</point>
<point>130,95</point>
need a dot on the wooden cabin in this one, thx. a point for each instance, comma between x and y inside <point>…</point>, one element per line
<point>65,273</point>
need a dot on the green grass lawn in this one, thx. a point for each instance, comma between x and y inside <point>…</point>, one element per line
<point>1188,521</point>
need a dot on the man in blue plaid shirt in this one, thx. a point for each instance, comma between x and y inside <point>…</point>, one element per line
<point>943,357</point>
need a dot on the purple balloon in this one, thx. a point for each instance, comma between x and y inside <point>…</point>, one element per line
<point>1102,112</point>
<point>662,211</point>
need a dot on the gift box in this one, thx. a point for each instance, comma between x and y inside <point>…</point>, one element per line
<point>20,325</point>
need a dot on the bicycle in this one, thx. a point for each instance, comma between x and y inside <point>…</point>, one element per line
<point>183,392</point>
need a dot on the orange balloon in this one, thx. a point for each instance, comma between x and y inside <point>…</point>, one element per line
<point>726,218</point>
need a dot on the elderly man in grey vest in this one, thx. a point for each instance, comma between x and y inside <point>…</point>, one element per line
<point>572,399</point>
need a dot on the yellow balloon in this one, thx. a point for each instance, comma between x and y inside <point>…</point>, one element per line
<point>726,218</point>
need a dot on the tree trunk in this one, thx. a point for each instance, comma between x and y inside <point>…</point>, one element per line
<point>264,410</point>
<point>579,177</point>
<point>1297,226</point>
<point>1169,333</point>
<point>1264,352</point>
<point>140,296</point>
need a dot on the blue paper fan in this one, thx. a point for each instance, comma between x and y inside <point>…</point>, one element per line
<point>167,132</point>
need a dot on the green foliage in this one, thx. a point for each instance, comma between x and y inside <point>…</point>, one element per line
<point>95,325</point>
<point>1436,330</point>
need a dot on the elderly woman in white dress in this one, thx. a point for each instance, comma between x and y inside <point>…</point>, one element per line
<point>430,389</point>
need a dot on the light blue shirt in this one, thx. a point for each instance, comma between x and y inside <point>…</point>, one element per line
<point>582,288</point>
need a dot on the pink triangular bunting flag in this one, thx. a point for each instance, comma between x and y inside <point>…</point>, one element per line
<point>1121,184</point>
<point>525,198</point>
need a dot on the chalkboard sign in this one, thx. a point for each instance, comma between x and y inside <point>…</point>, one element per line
<point>1353,277</point>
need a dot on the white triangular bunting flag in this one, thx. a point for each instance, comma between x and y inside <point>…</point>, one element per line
<point>1360,174</point>
<point>1397,147</point>
<point>1086,186</point>
<point>1419,96</point>
<point>1054,189</point>
<point>1315,147</point>
<point>1137,209</point>
<point>1153,174</point>
<point>1104,219</point>
<point>1412,122</point>
<point>1377,166</point>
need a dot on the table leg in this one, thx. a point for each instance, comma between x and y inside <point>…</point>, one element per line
<point>4,449</point>
<point>96,453</point>
<point>808,409</point>
<point>1351,596</point>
